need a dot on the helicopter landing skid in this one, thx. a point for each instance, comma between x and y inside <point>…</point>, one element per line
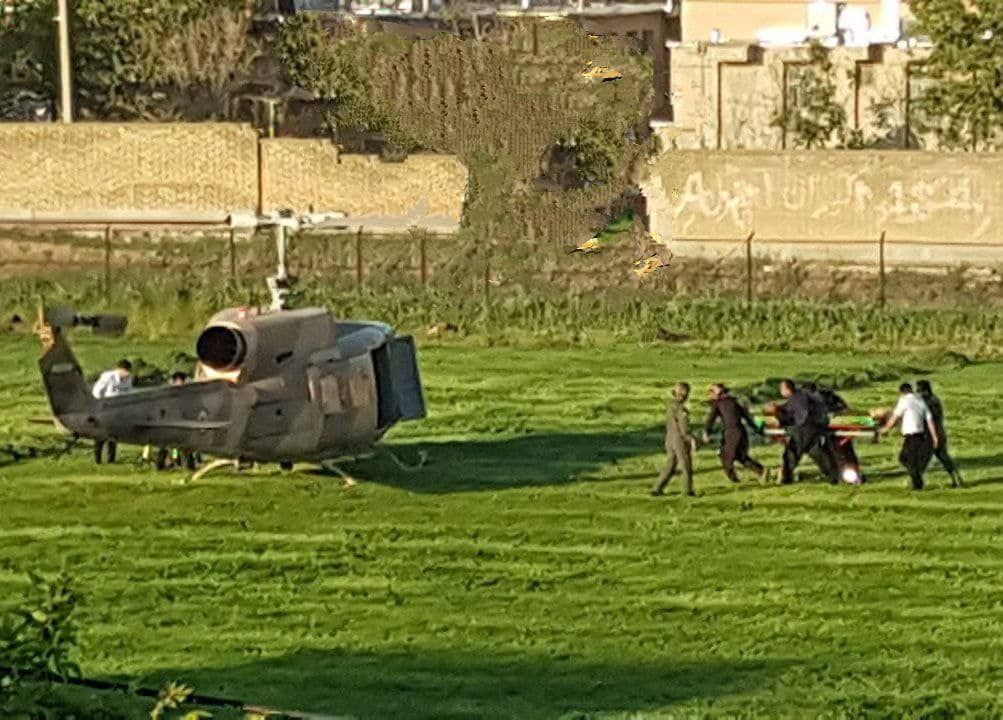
<point>328,466</point>
<point>214,465</point>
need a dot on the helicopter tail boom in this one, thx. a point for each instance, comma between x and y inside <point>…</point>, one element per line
<point>67,390</point>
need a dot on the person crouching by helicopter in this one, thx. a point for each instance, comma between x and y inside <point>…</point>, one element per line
<point>174,456</point>
<point>111,383</point>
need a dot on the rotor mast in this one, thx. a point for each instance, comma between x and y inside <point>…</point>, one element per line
<point>281,283</point>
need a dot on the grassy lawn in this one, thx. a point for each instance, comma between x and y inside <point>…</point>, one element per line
<point>525,572</point>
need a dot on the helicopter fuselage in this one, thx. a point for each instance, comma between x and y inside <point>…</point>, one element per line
<point>278,386</point>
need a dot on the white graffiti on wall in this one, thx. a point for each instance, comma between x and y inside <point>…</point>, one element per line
<point>732,199</point>
<point>921,200</point>
<point>733,204</point>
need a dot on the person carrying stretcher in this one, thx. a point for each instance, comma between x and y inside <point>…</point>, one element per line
<point>806,420</point>
<point>843,451</point>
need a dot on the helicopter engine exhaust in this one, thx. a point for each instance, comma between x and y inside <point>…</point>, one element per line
<point>221,348</point>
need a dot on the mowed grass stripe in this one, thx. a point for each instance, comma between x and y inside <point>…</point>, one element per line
<point>524,572</point>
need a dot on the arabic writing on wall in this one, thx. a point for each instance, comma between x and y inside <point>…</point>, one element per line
<point>830,195</point>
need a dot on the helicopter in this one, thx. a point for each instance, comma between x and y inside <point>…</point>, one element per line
<point>272,385</point>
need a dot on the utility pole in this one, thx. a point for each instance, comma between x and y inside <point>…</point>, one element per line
<point>66,98</point>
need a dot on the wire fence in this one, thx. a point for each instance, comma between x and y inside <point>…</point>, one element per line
<point>751,268</point>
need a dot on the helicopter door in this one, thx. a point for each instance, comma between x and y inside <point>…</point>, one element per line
<point>406,378</point>
<point>387,412</point>
<point>398,385</point>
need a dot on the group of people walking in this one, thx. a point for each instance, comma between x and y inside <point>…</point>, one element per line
<point>805,415</point>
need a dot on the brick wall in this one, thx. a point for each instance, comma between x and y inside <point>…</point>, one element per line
<point>140,170</point>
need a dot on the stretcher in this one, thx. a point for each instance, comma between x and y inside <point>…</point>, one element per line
<point>842,426</point>
<point>845,428</point>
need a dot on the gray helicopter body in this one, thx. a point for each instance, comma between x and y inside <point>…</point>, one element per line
<point>271,386</point>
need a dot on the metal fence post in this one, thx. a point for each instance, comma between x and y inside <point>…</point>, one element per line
<point>233,256</point>
<point>748,267</point>
<point>358,258</point>
<point>107,263</point>
<point>487,264</point>
<point>423,252</point>
<point>881,270</point>
<point>487,278</point>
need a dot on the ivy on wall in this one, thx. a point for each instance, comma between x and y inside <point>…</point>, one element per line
<point>330,68</point>
<point>812,118</point>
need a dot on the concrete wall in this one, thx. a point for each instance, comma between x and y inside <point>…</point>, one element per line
<point>206,171</point>
<point>136,168</point>
<point>727,96</point>
<point>426,190</point>
<point>935,208</point>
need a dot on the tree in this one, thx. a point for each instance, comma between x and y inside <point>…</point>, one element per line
<point>329,67</point>
<point>963,100</point>
<point>812,117</point>
<point>27,48</point>
<point>129,58</point>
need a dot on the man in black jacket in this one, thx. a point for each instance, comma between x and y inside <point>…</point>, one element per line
<point>734,437</point>
<point>806,420</point>
<point>936,408</point>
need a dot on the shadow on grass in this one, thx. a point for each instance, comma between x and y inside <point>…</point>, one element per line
<point>973,463</point>
<point>541,459</point>
<point>550,459</point>
<point>462,685</point>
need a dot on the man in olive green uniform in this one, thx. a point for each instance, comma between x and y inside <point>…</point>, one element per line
<point>678,442</point>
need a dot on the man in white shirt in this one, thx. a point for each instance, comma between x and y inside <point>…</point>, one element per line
<point>111,383</point>
<point>919,433</point>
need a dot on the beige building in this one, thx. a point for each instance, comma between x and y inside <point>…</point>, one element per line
<point>738,66</point>
<point>786,22</point>
<point>730,96</point>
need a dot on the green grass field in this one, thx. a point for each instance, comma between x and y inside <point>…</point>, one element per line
<point>525,572</point>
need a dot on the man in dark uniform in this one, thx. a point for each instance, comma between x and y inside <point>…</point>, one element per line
<point>843,451</point>
<point>807,422</point>
<point>678,442</point>
<point>734,438</point>
<point>936,408</point>
<point>834,404</point>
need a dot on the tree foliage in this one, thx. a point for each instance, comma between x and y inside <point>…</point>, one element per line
<point>814,119</point>
<point>592,146</point>
<point>963,99</point>
<point>28,56</point>
<point>329,68</point>
<point>129,57</point>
